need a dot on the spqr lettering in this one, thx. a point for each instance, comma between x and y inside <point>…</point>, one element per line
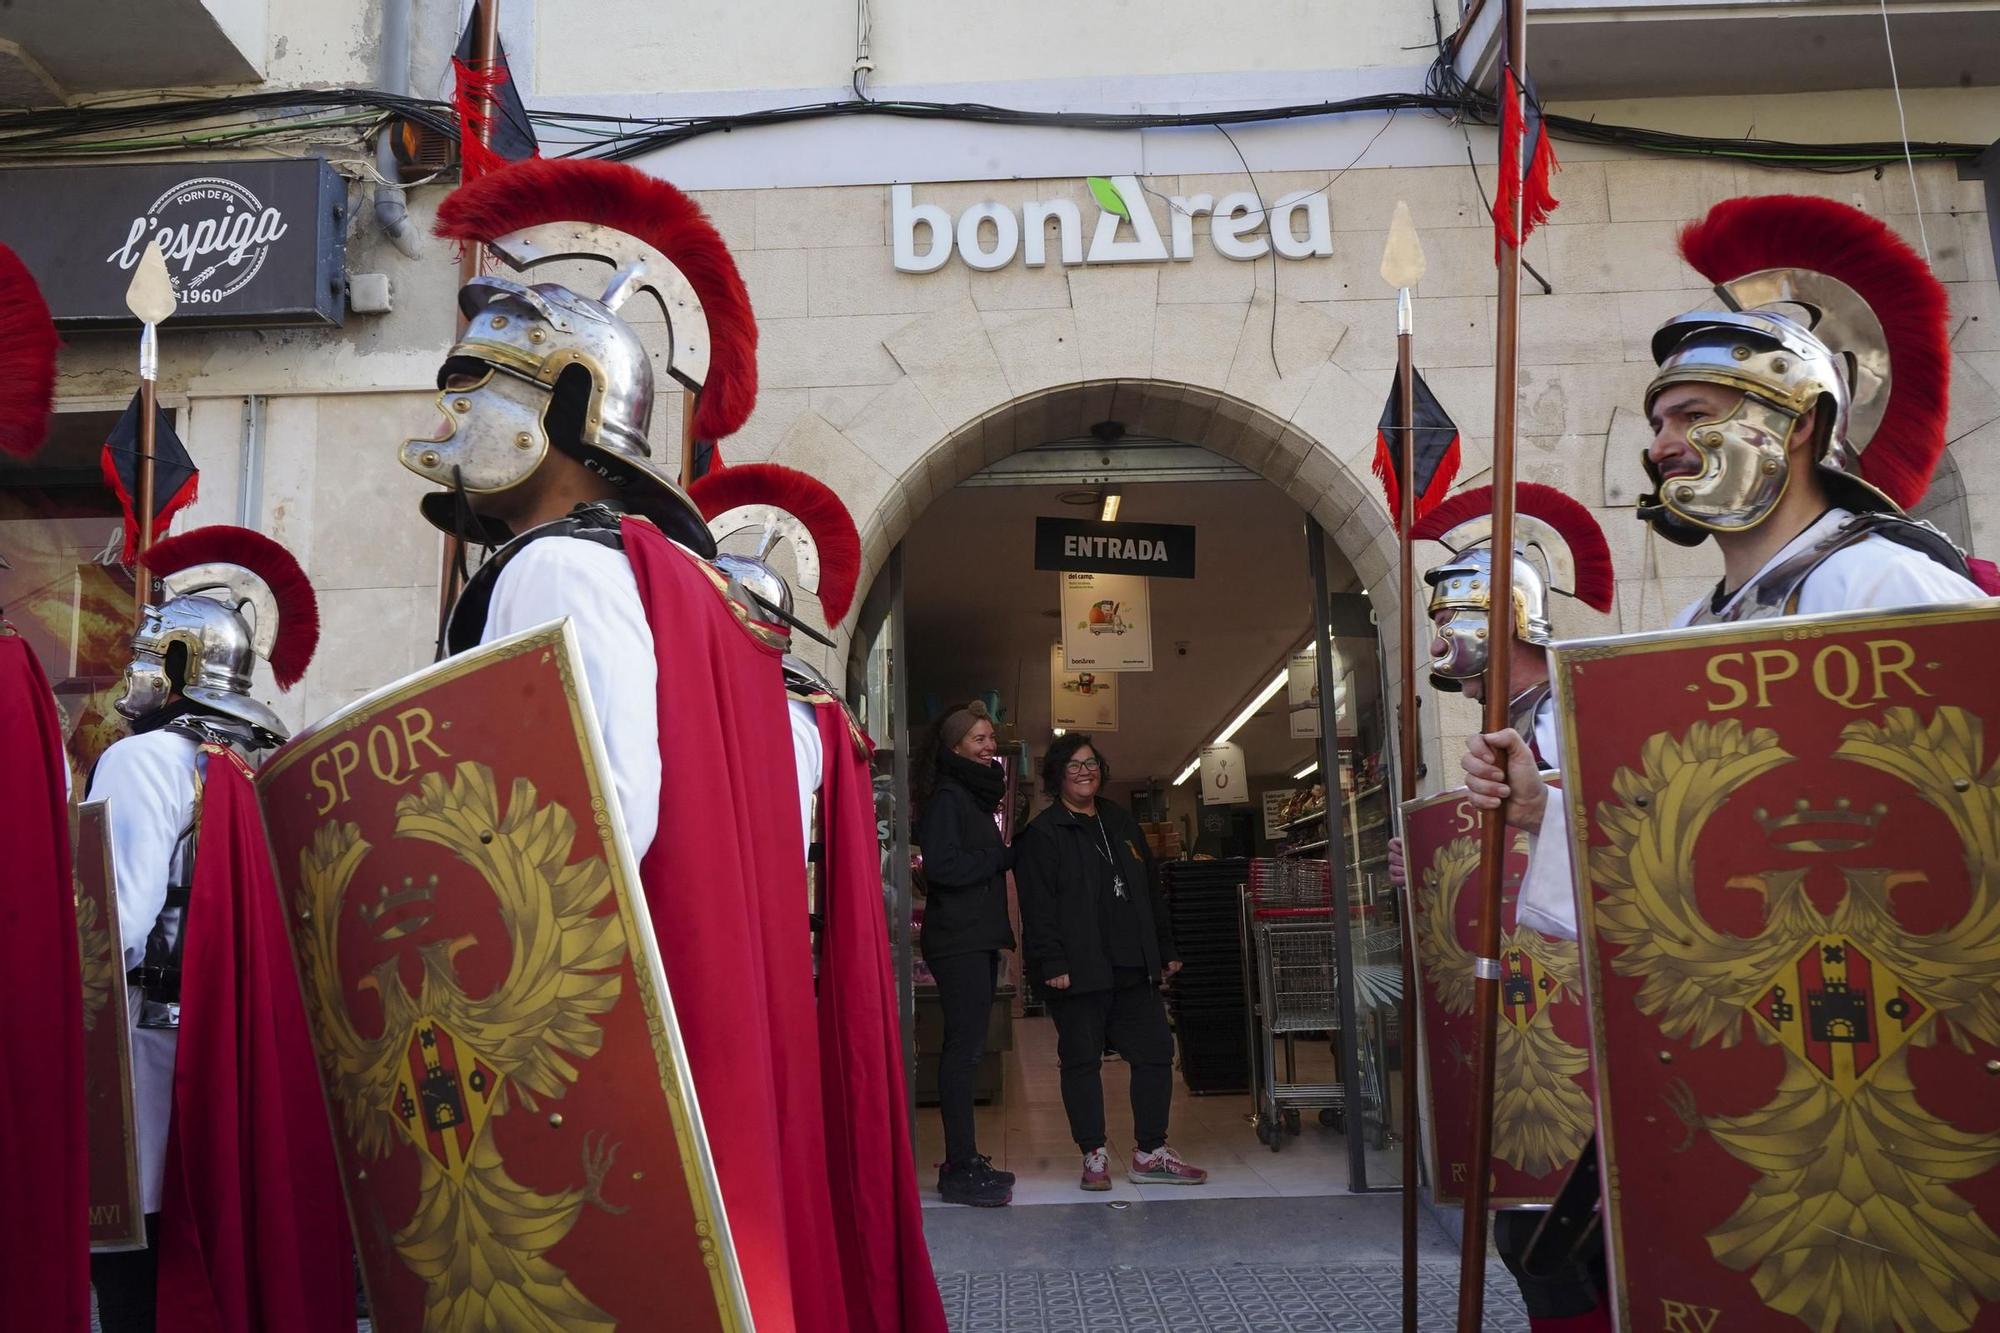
<point>1853,678</point>
<point>388,753</point>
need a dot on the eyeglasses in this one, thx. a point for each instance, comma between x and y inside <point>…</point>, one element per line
<point>1082,766</point>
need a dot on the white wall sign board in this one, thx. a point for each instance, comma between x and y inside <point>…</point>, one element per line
<point>1107,622</point>
<point>1274,810</point>
<point>1302,694</point>
<point>1081,700</point>
<point>1224,780</point>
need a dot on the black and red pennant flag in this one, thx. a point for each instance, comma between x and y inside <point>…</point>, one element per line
<point>486,99</point>
<point>1523,138</point>
<point>174,473</point>
<point>1436,450</point>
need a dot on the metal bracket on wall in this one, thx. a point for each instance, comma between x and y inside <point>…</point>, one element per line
<point>1986,168</point>
<point>250,462</point>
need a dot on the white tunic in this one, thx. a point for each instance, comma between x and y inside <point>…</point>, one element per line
<point>594,586</point>
<point>1873,574</point>
<point>806,754</point>
<point>148,782</point>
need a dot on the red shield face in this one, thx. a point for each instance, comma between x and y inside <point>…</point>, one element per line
<point>1541,1096</point>
<point>494,1034</point>
<point>115,1220</point>
<point>1790,861</point>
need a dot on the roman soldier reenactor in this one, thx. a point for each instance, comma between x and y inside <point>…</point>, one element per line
<point>44,1238</point>
<point>886,1262</point>
<point>237,1180</point>
<point>548,399</point>
<point>1559,549</point>
<point>1776,435</point>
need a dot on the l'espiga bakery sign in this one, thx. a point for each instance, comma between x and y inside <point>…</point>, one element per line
<point>251,242</point>
<point>1122,229</point>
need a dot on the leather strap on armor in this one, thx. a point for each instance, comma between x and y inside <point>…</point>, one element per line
<point>597,522</point>
<point>1775,591</point>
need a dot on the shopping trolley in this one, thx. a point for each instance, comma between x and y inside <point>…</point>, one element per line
<point>1292,973</point>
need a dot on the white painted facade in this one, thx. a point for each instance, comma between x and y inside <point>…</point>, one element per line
<point>893,385</point>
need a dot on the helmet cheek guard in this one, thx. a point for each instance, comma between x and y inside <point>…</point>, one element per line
<point>493,438</point>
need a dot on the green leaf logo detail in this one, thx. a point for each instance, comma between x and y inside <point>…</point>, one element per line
<point>1107,196</point>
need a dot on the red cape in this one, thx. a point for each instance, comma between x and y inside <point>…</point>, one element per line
<point>725,886</point>
<point>890,1285</point>
<point>44,1233</point>
<point>253,1231</point>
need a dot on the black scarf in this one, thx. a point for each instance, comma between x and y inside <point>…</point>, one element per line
<point>986,781</point>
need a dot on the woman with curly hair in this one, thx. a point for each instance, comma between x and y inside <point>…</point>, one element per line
<point>1096,936</point>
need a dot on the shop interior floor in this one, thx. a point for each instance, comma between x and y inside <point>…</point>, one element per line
<point>1028,1134</point>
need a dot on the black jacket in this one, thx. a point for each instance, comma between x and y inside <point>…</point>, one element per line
<point>1061,877</point>
<point>965,875</point>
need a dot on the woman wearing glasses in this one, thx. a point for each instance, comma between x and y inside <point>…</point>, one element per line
<point>1095,934</point>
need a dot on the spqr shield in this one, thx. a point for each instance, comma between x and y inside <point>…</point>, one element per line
<point>1541,1095</point>
<point>116,1222</point>
<point>518,1136</point>
<point>1789,866</point>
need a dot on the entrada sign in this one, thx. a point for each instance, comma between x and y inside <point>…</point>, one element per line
<point>1160,550</point>
<point>990,235</point>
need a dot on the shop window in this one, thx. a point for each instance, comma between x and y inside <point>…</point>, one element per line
<point>65,592</point>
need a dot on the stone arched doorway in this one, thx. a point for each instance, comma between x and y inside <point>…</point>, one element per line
<point>1352,529</point>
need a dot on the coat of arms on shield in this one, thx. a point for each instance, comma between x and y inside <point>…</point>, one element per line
<point>1541,1097</point>
<point>519,1139</point>
<point>1789,869</point>
<point>116,1222</point>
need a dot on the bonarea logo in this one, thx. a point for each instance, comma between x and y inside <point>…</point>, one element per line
<point>1125,230</point>
<point>215,233</point>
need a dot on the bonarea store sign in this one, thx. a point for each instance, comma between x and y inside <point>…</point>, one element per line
<point>247,242</point>
<point>1123,229</point>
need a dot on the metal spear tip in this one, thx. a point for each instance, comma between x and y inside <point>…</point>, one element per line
<point>1403,256</point>
<point>151,295</point>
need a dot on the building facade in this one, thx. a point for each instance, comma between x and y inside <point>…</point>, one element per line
<point>935,294</point>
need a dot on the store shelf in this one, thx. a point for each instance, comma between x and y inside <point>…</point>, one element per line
<point>1306,848</point>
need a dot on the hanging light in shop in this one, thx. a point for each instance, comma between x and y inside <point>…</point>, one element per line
<point>1308,770</point>
<point>1110,514</point>
<point>1236,723</point>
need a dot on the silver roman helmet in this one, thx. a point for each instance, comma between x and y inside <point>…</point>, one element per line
<point>1817,301</point>
<point>232,596</point>
<point>752,509</point>
<point>542,365</point>
<point>1558,548</point>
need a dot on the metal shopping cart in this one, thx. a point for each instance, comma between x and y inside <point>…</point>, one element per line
<point>1291,969</point>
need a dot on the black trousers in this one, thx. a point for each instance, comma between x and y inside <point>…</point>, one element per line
<point>1131,1019</point>
<point>965,992</point>
<point>1571,1286</point>
<point>127,1284</point>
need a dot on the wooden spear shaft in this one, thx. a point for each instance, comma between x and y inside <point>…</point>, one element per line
<point>1406,502</point>
<point>1494,834</point>
<point>485,50</point>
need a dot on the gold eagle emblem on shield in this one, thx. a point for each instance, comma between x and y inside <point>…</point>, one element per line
<point>1853,1221</point>
<point>444,1064</point>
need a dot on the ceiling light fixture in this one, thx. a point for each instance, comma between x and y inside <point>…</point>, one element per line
<point>1308,770</point>
<point>1110,514</point>
<point>1236,723</point>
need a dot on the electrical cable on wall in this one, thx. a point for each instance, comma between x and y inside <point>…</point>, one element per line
<point>1903,127</point>
<point>124,127</point>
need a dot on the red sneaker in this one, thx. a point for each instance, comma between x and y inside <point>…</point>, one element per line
<point>1163,1167</point>
<point>1096,1171</point>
